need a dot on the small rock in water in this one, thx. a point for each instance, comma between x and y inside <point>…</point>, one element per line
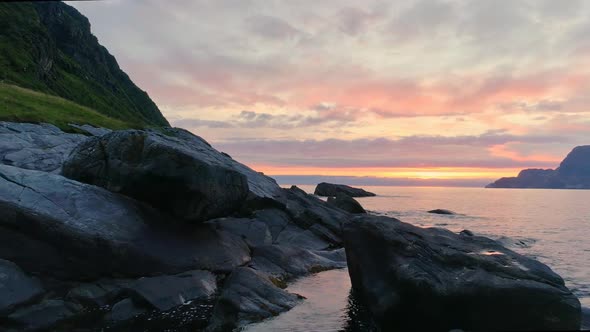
<point>442,211</point>
<point>466,232</point>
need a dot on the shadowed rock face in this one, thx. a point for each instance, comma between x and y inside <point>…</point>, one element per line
<point>15,286</point>
<point>181,175</point>
<point>330,189</point>
<point>346,203</point>
<point>249,296</point>
<point>101,233</point>
<point>573,173</point>
<point>425,279</point>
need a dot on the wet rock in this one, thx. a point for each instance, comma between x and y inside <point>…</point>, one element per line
<point>42,147</point>
<point>167,292</point>
<point>188,182</point>
<point>442,211</point>
<point>43,315</point>
<point>331,190</point>
<point>425,279</point>
<point>346,203</point>
<point>249,296</point>
<point>124,310</point>
<point>284,262</point>
<point>16,287</point>
<point>103,234</point>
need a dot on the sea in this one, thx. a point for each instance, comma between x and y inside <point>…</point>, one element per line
<point>552,226</point>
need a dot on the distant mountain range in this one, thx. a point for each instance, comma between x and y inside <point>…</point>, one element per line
<point>48,47</point>
<point>572,173</point>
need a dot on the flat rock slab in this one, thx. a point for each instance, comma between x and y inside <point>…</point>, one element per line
<point>42,147</point>
<point>285,262</point>
<point>249,296</point>
<point>16,287</point>
<point>104,234</point>
<point>425,279</point>
<point>331,190</point>
<point>166,292</point>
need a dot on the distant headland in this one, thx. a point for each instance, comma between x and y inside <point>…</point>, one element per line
<point>572,173</point>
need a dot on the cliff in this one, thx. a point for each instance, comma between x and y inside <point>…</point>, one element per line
<point>48,47</point>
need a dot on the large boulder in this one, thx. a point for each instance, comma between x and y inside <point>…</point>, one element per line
<point>58,227</point>
<point>249,296</point>
<point>310,212</point>
<point>346,203</point>
<point>16,287</point>
<point>433,279</point>
<point>41,147</point>
<point>330,189</point>
<point>189,182</point>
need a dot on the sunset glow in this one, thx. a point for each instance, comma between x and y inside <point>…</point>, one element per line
<point>440,89</point>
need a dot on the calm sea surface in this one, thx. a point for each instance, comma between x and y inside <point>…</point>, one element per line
<point>552,226</point>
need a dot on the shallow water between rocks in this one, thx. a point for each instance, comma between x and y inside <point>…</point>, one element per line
<point>552,226</point>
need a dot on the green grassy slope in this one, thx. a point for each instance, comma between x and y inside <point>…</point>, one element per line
<point>48,47</point>
<point>23,105</point>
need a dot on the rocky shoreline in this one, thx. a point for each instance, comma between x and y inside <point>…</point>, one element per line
<point>140,228</point>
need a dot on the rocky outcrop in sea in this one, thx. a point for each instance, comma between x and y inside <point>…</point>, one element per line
<point>332,190</point>
<point>126,228</point>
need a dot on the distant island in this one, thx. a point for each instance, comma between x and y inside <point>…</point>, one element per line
<point>572,173</point>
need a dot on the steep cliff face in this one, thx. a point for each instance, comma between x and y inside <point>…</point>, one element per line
<point>573,173</point>
<point>48,47</point>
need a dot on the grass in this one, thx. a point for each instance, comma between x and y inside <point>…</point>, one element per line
<point>23,105</point>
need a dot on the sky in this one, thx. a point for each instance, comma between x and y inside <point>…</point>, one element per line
<point>412,92</point>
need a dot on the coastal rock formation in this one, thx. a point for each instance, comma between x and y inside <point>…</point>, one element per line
<point>442,211</point>
<point>102,258</point>
<point>46,215</point>
<point>573,173</point>
<point>330,189</point>
<point>249,296</point>
<point>346,203</point>
<point>186,182</point>
<point>434,279</point>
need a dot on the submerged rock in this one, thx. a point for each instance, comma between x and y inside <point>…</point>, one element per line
<point>346,203</point>
<point>103,234</point>
<point>442,211</point>
<point>425,279</point>
<point>330,190</point>
<point>16,287</point>
<point>249,296</point>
